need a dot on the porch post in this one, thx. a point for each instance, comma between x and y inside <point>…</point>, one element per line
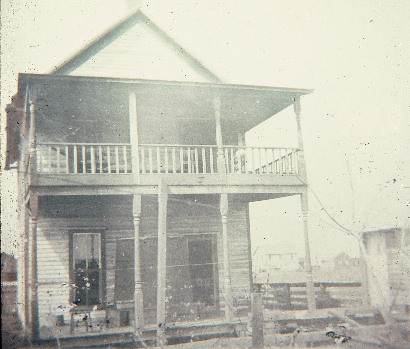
<point>138,296</point>
<point>219,143</point>
<point>133,119</point>
<point>32,145</point>
<point>162,260</point>
<point>310,287</point>
<point>229,311</point>
<point>301,156</point>
<point>33,277</point>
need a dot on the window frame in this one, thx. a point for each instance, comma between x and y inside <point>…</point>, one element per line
<point>102,278</point>
<point>212,237</point>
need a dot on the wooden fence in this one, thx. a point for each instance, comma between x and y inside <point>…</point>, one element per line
<point>292,296</point>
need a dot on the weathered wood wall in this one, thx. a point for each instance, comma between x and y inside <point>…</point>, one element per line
<point>140,53</point>
<point>186,219</point>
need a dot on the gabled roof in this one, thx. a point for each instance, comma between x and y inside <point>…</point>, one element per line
<point>119,29</point>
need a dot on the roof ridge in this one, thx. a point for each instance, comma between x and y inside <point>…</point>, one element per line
<point>116,31</point>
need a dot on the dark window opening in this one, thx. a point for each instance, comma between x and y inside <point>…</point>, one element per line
<point>87,268</point>
<point>201,268</point>
<point>124,270</point>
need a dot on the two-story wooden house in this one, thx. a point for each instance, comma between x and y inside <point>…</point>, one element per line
<point>134,184</point>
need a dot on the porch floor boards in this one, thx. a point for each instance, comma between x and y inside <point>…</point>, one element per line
<point>64,332</point>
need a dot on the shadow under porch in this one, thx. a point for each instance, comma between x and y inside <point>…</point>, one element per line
<point>86,253</point>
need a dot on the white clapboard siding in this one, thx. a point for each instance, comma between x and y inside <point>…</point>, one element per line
<point>53,241</point>
<point>140,53</point>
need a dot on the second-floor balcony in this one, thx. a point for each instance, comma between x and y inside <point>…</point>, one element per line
<point>117,158</point>
<point>81,131</point>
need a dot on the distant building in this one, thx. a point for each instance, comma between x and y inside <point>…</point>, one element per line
<point>343,261</point>
<point>388,267</point>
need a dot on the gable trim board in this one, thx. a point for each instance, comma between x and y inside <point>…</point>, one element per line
<point>122,28</point>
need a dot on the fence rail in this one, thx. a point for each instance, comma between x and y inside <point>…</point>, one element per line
<point>92,158</point>
<point>293,295</point>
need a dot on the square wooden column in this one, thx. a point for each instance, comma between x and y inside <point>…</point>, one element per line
<point>162,260</point>
<point>301,156</point>
<point>310,287</point>
<point>138,295</point>
<point>220,159</point>
<point>133,123</point>
<point>229,311</point>
<point>32,145</point>
<point>33,269</point>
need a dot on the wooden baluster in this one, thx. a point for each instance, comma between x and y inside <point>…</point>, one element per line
<point>67,164</point>
<point>266,161</point>
<point>181,159</point>
<point>290,161</point>
<point>124,152</point>
<point>166,159</point>
<point>296,161</point>
<point>196,160</point>
<point>253,159</point>
<point>273,161</point>
<point>109,159</point>
<point>100,157</point>
<point>158,160</point>
<point>117,160</point>
<point>204,160</point>
<point>150,160</point>
<point>143,160</point>
<point>260,160</point>
<point>84,160</point>
<point>211,159</point>
<point>39,159</point>
<point>227,160</point>
<point>232,161</point>
<point>58,159</point>
<point>189,159</point>
<point>75,159</point>
<point>174,161</point>
<point>280,162</point>
<point>49,158</point>
<point>92,157</point>
<point>242,160</point>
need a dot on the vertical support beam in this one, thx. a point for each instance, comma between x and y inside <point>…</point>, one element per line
<point>229,311</point>
<point>133,119</point>
<point>33,216</point>
<point>301,156</point>
<point>32,145</point>
<point>162,260</point>
<point>220,157</point>
<point>26,261</point>
<point>138,296</point>
<point>258,340</point>
<point>310,288</point>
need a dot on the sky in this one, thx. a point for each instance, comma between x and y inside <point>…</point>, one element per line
<point>354,54</point>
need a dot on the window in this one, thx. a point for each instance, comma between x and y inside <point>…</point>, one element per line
<point>86,268</point>
<point>202,271</point>
<point>124,270</point>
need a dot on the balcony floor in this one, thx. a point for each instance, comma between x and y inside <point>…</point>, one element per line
<point>89,184</point>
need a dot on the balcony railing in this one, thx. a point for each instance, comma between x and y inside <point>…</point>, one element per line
<point>84,158</point>
<point>115,158</point>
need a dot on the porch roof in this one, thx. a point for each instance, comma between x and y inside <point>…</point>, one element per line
<point>181,86</point>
